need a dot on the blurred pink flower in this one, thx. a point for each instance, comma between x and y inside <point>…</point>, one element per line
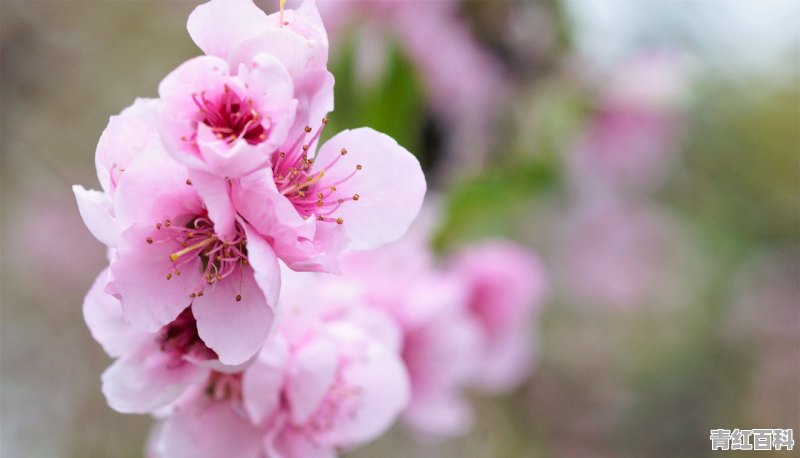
<point>631,141</point>
<point>437,339</point>
<point>507,285</point>
<point>458,73</point>
<point>619,254</point>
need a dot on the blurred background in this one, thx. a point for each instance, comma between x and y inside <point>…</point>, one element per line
<point>648,151</point>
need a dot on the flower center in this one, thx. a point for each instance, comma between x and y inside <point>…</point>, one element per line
<point>230,117</point>
<point>222,387</point>
<point>180,338</point>
<point>303,183</point>
<point>342,401</point>
<point>219,259</point>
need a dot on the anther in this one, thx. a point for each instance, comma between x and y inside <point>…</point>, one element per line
<point>238,297</point>
<point>305,147</point>
<point>340,200</point>
<point>356,197</point>
<point>149,239</point>
<point>319,203</point>
<point>339,220</point>
<point>308,129</point>
<point>169,276</point>
<point>193,295</point>
<point>343,151</point>
<point>358,167</point>
<point>177,272</point>
<point>200,293</point>
<point>324,120</point>
<point>158,225</point>
<point>320,195</point>
<point>188,181</point>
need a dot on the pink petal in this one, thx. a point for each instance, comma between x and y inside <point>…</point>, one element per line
<point>103,315</point>
<point>218,26</point>
<point>149,299</point>
<point>384,391</point>
<point>126,135</point>
<point>310,377</point>
<point>290,49</point>
<point>153,188</point>
<point>438,417</point>
<point>148,379</point>
<point>390,185</point>
<point>263,381</point>
<point>215,192</point>
<point>208,429</point>
<point>228,160</point>
<point>235,330</point>
<point>266,269</point>
<point>291,443</point>
<point>97,213</point>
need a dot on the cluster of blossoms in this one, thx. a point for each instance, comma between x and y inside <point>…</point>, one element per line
<point>223,226</point>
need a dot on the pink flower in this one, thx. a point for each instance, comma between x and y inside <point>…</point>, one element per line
<point>225,113</point>
<point>440,340</point>
<point>127,135</point>
<point>631,141</point>
<point>360,190</point>
<point>619,255</point>
<point>169,256</point>
<point>319,385</point>
<point>151,370</point>
<point>225,122</point>
<point>457,80</point>
<point>507,286</point>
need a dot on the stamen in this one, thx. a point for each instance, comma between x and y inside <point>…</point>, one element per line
<point>174,256</point>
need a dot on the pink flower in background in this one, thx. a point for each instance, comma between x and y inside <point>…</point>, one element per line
<point>507,286</point>
<point>458,73</point>
<point>619,254</point>
<point>631,141</point>
<point>440,341</point>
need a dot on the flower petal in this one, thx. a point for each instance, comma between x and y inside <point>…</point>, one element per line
<point>208,429</point>
<point>154,188</point>
<point>148,379</point>
<point>149,299</point>
<point>218,26</point>
<point>126,135</point>
<point>97,213</point>
<point>263,381</point>
<point>103,315</point>
<point>390,185</point>
<point>310,377</point>
<point>215,192</point>
<point>235,330</point>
